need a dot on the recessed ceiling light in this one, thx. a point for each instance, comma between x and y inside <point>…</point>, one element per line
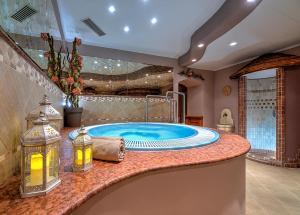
<point>91,79</point>
<point>118,65</point>
<point>153,20</point>
<point>194,60</point>
<point>146,82</point>
<point>126,28</point>
<point>95,62</point>
<point>105,67</point>
<point>40,55</point>
<point>169,71</point>
<point>107,85</point>
<point>200,45</point>
<point>250,0</point>
<point>158,76</point>
<point>111,9</point>
<point>147,75</point>
<point>233,43</point>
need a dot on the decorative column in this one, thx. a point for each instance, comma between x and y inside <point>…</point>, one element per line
<point>280,118</point>
<point>242,105</point>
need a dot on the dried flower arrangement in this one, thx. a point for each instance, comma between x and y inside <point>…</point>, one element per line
<point>66,78</point>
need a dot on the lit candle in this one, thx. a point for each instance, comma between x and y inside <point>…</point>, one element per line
<point>36,168</point>
<point>87,156</point>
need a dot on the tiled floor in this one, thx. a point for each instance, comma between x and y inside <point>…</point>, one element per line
<point>272,190</point>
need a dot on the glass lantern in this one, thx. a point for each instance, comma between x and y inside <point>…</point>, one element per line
<point>39,158</point>
<point>54,117</point>
<point>82,151</point>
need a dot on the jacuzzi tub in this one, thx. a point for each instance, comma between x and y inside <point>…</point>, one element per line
<point>154,136</point>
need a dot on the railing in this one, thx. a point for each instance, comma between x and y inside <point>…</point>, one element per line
<point>173,105</point>
<point>183,103</point>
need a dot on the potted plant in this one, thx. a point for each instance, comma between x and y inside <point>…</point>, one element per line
<point>67,78</point>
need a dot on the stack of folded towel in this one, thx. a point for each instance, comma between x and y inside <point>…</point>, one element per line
<point>109,148</point>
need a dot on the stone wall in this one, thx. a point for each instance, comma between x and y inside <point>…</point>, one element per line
<point>108,109</point>
<point>22,87</point>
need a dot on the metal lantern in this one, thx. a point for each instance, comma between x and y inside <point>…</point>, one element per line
<point>82,151</point>
<point>39,158</point>
<point>54,117</point>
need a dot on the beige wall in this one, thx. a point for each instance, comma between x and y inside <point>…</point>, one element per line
<point>292,111</point>
<point>221,101</point>
<point>212,189</point>
<point>201,99</point>
<point>21,89</point>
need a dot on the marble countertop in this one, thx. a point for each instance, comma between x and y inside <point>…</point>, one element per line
<point>76,188</point>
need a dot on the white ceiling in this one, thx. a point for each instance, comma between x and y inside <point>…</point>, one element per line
<point>273,25</point>
<point>170,37</point>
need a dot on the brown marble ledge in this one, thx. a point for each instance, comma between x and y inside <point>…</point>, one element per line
<point>76,188</point>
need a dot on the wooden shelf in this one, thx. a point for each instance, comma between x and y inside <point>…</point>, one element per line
<point>194,120</point>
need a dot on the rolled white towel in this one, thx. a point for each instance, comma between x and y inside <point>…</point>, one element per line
<point>109,148</point>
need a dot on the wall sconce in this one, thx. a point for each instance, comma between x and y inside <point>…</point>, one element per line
<point>39,158</point>
<point>82,151</point>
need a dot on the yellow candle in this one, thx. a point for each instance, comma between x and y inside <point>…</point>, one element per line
<point>36,168</point>
<point>87,156</point>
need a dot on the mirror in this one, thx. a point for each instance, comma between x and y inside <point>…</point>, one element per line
<point>101,76</point>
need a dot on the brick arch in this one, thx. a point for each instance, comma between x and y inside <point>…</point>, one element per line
<point>280,62</point>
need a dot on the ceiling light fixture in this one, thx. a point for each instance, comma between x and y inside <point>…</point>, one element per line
<point>158,76</point>
<point>153,20</point>
<point>91,79</point>
<point>105,67</point>
<point>194,60</point>
<point>111,9</point>
<point>95,62</point>
<point>40,55</point>
<point>169,71</point>
<point>250,1</point>
<point>118,65</point>
<point>200,45</point>
<point>233,43</point>
<point>126,29</point>
<point>147,75</point>
<point>146,82</point>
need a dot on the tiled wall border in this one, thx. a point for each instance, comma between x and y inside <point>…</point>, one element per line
<point>280,118</point>
<point>120,99</point>
<point>242,105</point>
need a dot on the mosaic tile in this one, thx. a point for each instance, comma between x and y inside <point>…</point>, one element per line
<point>77,188</point>
<point>261,116</point>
